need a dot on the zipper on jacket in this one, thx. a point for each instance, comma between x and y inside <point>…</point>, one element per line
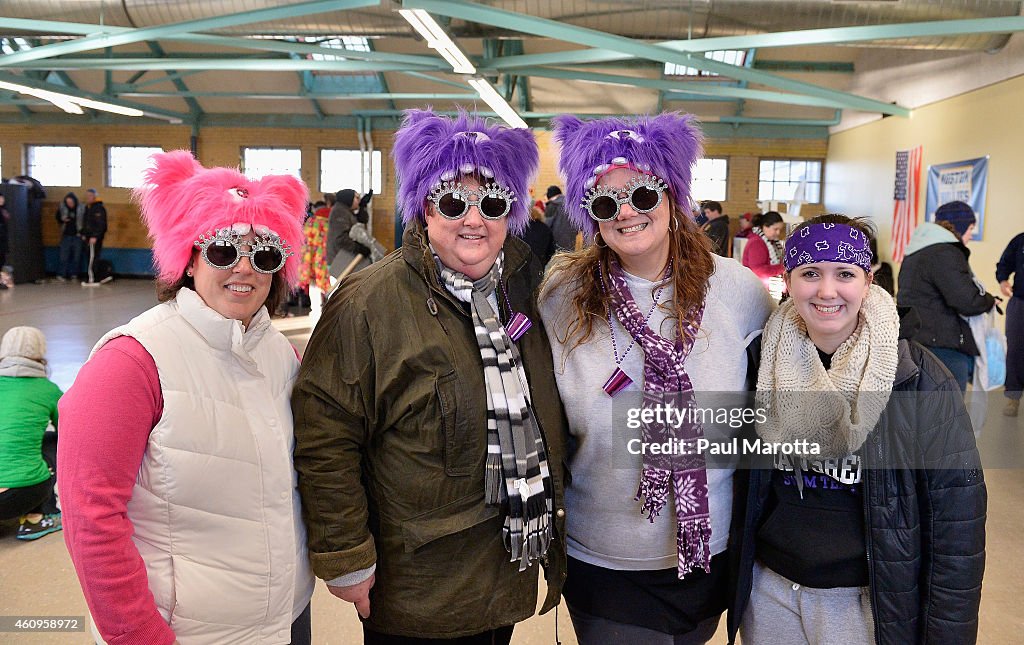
<point>865,488</point>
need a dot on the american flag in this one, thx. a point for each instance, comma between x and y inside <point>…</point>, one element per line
<point>907,196</point>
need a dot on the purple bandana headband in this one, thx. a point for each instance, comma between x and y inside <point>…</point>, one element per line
<point>828,243</point>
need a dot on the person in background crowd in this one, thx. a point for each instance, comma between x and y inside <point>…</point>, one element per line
<point>538,236</point>
<point>315,272</point>
<point>645,310</point>
<point>71,217</point>
<point>881,271</point>
<point>5,222</point>
<point>558,220</point>
<point>342,250</point>
<point>429,439</point>
<point>937,282</point>
<point>28,404</point>
<point>716,227</point>
<point>94,223</point>
<point>871,528</point>
<point>180,508</point>
<point>763,251</point>
<point>746,225</point>
<point>1011,263</point>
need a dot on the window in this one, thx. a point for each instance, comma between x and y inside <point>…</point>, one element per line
<point>125,165</point>
<point>55,165</point>
<point>709,179</point>
<point>340,169</point>
<point>730,56</point>
<point>351,43</point>
<point>779,179</point>
<point>258,162</point>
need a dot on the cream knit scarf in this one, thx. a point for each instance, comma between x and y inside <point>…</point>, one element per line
<point>836,408</point>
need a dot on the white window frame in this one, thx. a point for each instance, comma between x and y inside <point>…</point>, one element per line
<point>256,168</point>
<point>731,56</point>
<point>129,172</point>
<point>706,184</point>
<point>48,172</point>
<point>783,177</point>
<point>368,172</point>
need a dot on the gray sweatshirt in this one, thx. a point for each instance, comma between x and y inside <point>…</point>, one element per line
<point>604,524</point>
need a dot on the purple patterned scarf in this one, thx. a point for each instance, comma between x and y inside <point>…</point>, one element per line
<point>667,383</point>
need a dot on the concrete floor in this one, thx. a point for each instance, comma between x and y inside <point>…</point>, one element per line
<point>37,579</point>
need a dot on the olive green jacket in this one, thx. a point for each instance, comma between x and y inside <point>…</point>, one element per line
<point>390,443</point>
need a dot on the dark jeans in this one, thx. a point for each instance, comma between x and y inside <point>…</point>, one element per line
<point>70,256</point>
<point>500,636</point>
<point>593,630</point>
<point>1014,347</point>
<point>302,632</point>
<point>960,364</point>
<point>37,498</point>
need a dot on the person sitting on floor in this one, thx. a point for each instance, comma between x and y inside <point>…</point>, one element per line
<point>28,453</point>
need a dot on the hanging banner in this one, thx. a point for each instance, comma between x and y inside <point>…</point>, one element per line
<point>963,181</point>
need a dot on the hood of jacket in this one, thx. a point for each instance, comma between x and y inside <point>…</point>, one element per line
<point>929,234</point>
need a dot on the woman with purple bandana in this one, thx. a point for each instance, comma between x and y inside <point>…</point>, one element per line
<point>868,526</point>
<point>643,317</point>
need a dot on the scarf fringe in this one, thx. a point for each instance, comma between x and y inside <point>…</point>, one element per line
<point>693,545</point>
<point>653,491</point>
<point>494,480</point>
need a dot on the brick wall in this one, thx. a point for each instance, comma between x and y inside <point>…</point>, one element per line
<point>223,146</point>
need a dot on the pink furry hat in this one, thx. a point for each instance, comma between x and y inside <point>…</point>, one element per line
<point>182,200</point>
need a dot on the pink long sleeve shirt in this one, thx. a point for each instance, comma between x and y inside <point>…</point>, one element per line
<point>106,418</point>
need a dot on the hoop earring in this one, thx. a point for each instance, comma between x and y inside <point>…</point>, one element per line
<point>598,241</point>
<point>673,224</point>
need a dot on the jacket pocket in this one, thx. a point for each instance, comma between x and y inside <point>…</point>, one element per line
<point>461,449</point>
<point>450,519</point>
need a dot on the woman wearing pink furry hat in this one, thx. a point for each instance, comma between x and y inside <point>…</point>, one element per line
<point>642,319</point>
<point>180,508</point>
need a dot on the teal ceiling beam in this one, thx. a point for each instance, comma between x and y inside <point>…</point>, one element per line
<point>435,79</point>
<point>101,40</point>
<point>193,105</point>
<point>752,120</point>
<point>221,64</point>
<point>580,35</point>
<point>170,78</point>
<point>282,121</point>
<point>258,44</point>
<point>322,96</point>
<point>53,87</point>
<point>695,88</point>
<point>135,77</point>
<point>827,36</point>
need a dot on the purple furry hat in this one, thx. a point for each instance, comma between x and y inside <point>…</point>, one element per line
<point>666,145</point>
<point>431,148</point>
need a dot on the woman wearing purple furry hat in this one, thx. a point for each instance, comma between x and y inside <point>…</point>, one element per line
<point>644,313</point>
<point>429,440</point>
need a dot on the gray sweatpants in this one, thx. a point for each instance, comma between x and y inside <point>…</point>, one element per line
<point>782,612</point>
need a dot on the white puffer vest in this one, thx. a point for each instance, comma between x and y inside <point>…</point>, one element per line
<point>215,507</point>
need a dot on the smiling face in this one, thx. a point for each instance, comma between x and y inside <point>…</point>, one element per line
<point>236,293</point>
<point>639,239</point>
<point>828,296</point>
<point>470,244</point>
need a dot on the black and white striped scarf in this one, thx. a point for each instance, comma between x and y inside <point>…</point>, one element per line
<point>515,448</point>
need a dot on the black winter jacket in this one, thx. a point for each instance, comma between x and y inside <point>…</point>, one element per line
<point>937,282</point>
<point>924,512</point>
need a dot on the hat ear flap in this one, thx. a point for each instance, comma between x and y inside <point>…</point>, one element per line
<point>565,126</point>
<point>289,190</point>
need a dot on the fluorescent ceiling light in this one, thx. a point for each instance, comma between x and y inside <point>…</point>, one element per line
<point>497,103</point>
<point>68,103</point>
<point>437,39</point>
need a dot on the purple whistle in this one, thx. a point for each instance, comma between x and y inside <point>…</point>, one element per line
<point>616,382</point>
<point>518,326</point>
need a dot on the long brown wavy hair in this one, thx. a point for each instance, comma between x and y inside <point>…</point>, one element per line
<point>692,267</point>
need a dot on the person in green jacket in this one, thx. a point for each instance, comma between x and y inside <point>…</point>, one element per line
<point>28,404</point>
